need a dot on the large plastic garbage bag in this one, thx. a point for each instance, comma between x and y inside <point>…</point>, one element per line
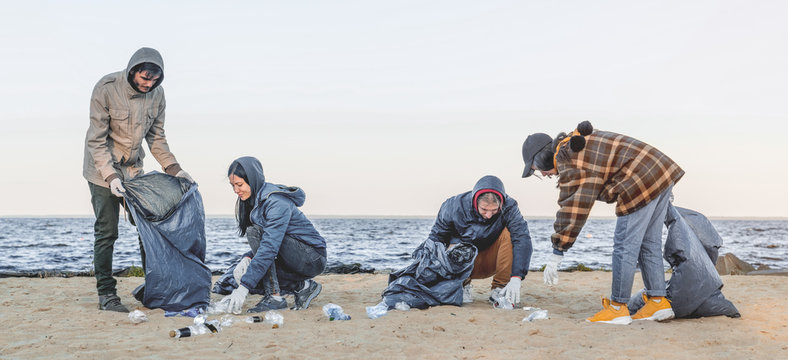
<point>694,287</point>
<point>433,278</point>
<point>170,218</point>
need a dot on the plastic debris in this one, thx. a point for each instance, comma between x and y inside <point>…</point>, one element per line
<point>274,318</point>
<point>218,307</point>
<point>334,312</point>
<point>500,301</point>
<point>537,315</point>
<point>201,326</point>
<point>227,320</point>
<point>138,316</point>
<point>402,306</point>
<point>374,312</point>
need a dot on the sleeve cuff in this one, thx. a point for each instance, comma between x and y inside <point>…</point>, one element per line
<point>558,252</point>
<point>110,178</point>
<point>173,169</point>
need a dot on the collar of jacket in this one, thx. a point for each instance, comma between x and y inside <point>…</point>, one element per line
<point>561,143</point>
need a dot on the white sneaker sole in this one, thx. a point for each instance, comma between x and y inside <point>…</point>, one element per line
<point>660,315</point>
<point>624,320</point>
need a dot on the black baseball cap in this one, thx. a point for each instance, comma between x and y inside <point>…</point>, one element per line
<point>532,145</point>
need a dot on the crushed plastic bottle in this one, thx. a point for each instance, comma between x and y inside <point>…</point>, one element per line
<point>374,312</point>
<point>218,307</point>
<point>537,315</point>
<point>137,317</point>
<point>334,312</point>
<point>402,306</point>
<point>270,317</point>
<point>227,320</point>
<point>201,326</point>
<point>254,319</point>
<point>500,301</point>
<point>274,318</point>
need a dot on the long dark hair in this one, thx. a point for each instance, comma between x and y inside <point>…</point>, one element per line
<point>243,208</point>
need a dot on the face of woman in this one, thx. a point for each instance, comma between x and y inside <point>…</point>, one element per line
<point>240,187</point>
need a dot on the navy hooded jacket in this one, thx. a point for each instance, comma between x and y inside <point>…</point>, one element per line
<point>459,221</point>
<point>276,211</point>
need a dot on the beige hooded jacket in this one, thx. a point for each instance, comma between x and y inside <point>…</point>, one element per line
<point>120,118</point>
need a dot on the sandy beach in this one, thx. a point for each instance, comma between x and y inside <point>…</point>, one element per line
<point>58,318</point>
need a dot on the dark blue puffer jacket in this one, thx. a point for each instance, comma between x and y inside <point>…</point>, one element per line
<point>459,221</point>
<point>276,211</point>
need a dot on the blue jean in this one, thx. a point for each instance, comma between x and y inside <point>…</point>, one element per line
<point>295,262</point>
<point>638,240</point>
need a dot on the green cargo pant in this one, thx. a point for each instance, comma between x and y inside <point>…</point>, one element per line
<point>106,207</point>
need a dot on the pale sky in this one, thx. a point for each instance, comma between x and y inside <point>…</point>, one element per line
<point>390,107</point>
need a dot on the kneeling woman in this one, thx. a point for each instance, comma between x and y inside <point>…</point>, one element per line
<point>287,251</point>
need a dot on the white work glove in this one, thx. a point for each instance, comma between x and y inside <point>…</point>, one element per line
<point>116,188</point>
<point>551,269</point>
<point>512,290</point>
<point>236,299</point>
<point>241,268</point>
<point>185,175</point>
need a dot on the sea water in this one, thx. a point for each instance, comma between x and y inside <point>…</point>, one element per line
<point>66,244</point>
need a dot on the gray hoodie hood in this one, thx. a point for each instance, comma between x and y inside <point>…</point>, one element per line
<point>144,55</point>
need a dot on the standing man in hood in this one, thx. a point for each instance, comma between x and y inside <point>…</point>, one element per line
<point>490,220</point>
<point>600,165</point>
<point>126,107</point>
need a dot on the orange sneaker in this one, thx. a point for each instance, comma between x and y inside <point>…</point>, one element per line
<point>613,313</point>
<point>656,308</point>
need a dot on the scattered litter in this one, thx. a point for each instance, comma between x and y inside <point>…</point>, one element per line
<point>374,312</point>
<point>500,301</point>
<point>537,315</point>
<point>274,318</point>
<point>218,307</point>
<point>402,306</point>
<point>138,316</point>
<point>334,312</point>
<point>201,326</point>
<point>227,320</point>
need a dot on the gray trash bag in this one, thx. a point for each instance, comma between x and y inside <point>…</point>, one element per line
<point>433,278</point>
<point>170,218</point>
<point>704,230</point>
<point>694,287</point>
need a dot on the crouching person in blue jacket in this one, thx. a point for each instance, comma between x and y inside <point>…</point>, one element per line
<point>490,220</point>
<point>287,251</point>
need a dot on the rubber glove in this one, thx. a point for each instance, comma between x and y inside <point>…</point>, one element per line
<point>116,188</point>
<point>185,175</point>
<point>512,290</point>
<point>241,268</point>
<point>551,269</point>
<point>236,299</point>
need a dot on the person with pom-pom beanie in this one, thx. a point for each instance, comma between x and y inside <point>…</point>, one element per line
<point>600,165</point>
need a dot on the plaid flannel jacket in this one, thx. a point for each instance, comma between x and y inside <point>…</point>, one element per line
<point>611,168</point>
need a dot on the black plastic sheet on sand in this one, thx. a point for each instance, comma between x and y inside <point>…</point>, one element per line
<point>170,218</point>
<point>433,278</point>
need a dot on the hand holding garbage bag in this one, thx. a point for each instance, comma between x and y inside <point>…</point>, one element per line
<point>236,299</point>
<point>185,175</point>
<point>512,290</point>
<point>551,269</point>
<point>116,187</point>
<point>241,268</point>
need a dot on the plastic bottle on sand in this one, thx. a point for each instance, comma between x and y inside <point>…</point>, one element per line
<point>334,312</point>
